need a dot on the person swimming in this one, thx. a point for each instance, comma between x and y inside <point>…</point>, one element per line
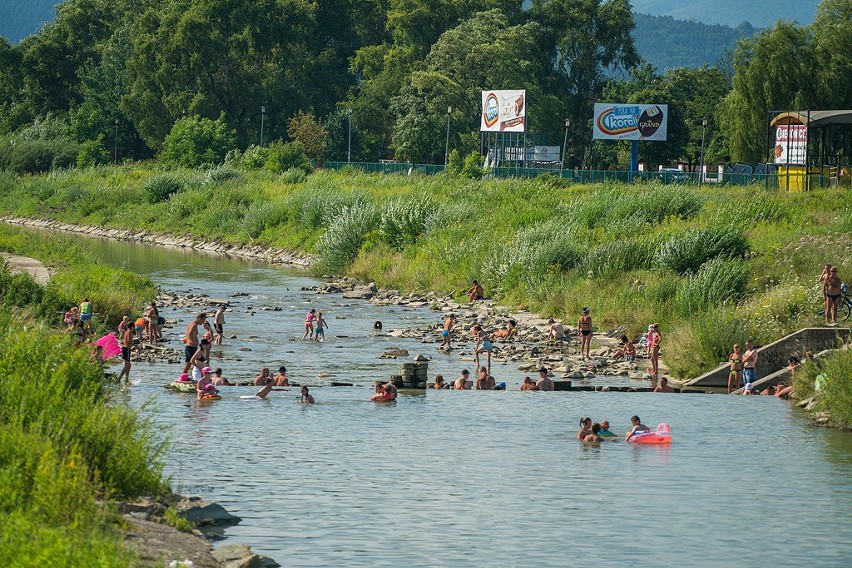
<point>605,433</point>
<point>307,397</point>
<point>595,436</point>
<point>585,428</point>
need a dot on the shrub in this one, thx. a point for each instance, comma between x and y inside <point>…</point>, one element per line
<point>221,174</point>
<point>313,207</point>
<point>261,215</point>
<point>92,153</point>
<point>194,141</point>
<point>283,156</point>
<point>534,252</point>
<point>687,251</point>
<point>719,282</point>
<point>340,244</point>
<point>619,256</point>
<point>161,187</point>
<point>472,166</point>
<point>294,176</point>
<point>455,162</point>
<point>252,159</point>
<point>834,392</point>
<point>403,220</point>
<point>310,133</point>
<point>23,155</point>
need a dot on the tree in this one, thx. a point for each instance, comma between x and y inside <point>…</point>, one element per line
<point>585,42</point>
<point>481,53</point>
<point>775,70</point>
<point>310,132</point>
<point>194,141</point>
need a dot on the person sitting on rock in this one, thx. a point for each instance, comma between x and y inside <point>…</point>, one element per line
<point>557,331</point>
<point>506,331</point>
<point>475,292</point>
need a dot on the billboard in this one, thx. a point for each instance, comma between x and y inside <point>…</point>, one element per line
<point>504,111</point>
<point>630,122</point>
<point>791,144</point>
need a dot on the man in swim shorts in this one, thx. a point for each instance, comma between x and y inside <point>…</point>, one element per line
<point>749,362</point>
<point>126,347</point>
<point>475,292</point>
<point>445,333</point>
<point>832,287</point>
<point>584,325</point>
<point>190,339</point>
<point>219,323</point>
<point>263,378</point>
<point>319,333</point>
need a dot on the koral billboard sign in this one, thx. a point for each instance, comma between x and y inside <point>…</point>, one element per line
<point>630,122</point>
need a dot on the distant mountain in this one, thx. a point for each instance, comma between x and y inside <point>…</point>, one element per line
<point>20,18</point>
<point>759,13</point>
<point>667,43</point>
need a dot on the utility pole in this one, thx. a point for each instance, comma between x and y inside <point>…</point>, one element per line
<point>564,146</point>
<point>447,145</point>
<point>701,159</point>
<point>262,116</point>
<point>115,155</point>
<point>349,145</point>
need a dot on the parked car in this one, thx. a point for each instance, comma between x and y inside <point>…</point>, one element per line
<point>673,175</point>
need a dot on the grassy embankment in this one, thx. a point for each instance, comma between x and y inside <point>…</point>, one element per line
<point>834,395</point>
<point>64,450</point>
<point>712,267</point>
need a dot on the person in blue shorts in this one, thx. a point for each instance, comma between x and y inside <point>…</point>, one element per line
<point>445,333</point>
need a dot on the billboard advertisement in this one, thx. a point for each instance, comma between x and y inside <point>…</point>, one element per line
<point>630,122</point>
<point>504,111</point>
<point>791,144</point>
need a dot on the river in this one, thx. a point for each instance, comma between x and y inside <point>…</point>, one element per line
<point>473,478</point>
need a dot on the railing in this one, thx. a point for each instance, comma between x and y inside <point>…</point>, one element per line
<point>775,180</point>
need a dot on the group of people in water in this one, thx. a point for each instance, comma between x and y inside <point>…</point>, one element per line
<point>597,432</point>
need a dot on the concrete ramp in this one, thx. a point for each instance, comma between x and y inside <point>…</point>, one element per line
<point>773,357</point>
<point>31,266</point>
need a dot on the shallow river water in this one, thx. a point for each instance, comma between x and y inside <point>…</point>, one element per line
<point>473,478</point>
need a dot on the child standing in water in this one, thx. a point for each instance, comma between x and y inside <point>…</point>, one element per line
<point>306,397</point>
<point>309,324</point>
<point>321,327</point>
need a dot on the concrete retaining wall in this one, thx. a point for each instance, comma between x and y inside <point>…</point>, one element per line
<point>773,357</point>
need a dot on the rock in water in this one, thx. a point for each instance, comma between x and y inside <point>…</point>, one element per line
<point>241,556</point>
<point>201,512</point>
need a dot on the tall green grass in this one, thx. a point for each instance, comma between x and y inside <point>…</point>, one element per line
<point>831,380</point>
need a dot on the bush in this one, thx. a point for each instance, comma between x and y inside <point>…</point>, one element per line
<point>619,256</point>
<point>834,390</point>
<point>455,162</point>
<point>294,176</point>
<point>283,156</point>
<point>92,153</point>
<point>161,187</point>
<point>534,252</point>
<point>719,282</point>
<point>23,155</point>
<point>403,220</point>
<point>340,244</point>
<point>261,215</point>
<point>221,174</point>
<point>252,159</point>
<point>472,166</point>
<point>687,251</point>
<point>194,141</point>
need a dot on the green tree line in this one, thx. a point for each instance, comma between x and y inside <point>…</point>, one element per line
<point>111,78</point>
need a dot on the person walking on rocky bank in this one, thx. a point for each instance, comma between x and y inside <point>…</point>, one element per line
<point>319,333</point>
<point>584,326</point>
<point>654,340</point>
<point>126,347</point>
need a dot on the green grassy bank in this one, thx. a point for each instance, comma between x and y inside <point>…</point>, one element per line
<point>830,380</point>
<point>66,451</point>
<point>712,266</point>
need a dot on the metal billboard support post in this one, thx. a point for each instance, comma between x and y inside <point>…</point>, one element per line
<point>564,146</point>
<point>634,158</point>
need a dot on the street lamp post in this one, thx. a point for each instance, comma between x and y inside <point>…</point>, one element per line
<point>447,145</point>
<point>262,116</point>
<point>349,144</point>
<point>564,146</point>
<point>701,159</point>
<point>115,154</point>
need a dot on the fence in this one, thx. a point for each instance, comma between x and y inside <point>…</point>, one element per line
<point>773,180</point>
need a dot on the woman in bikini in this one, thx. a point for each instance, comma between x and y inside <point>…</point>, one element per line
<point>309,324</point>
<point>736,374</point>
<point>654,340</point>
<point>584,324</point>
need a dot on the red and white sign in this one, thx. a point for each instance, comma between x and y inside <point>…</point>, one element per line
<point>791,144</point>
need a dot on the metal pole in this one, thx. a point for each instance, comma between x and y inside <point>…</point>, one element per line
<point>349,144</point>
<point>262,115</point>
<point>564,146</point>
<point>447,144</point>
<point>116,141</point>
<point>701,160</point>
